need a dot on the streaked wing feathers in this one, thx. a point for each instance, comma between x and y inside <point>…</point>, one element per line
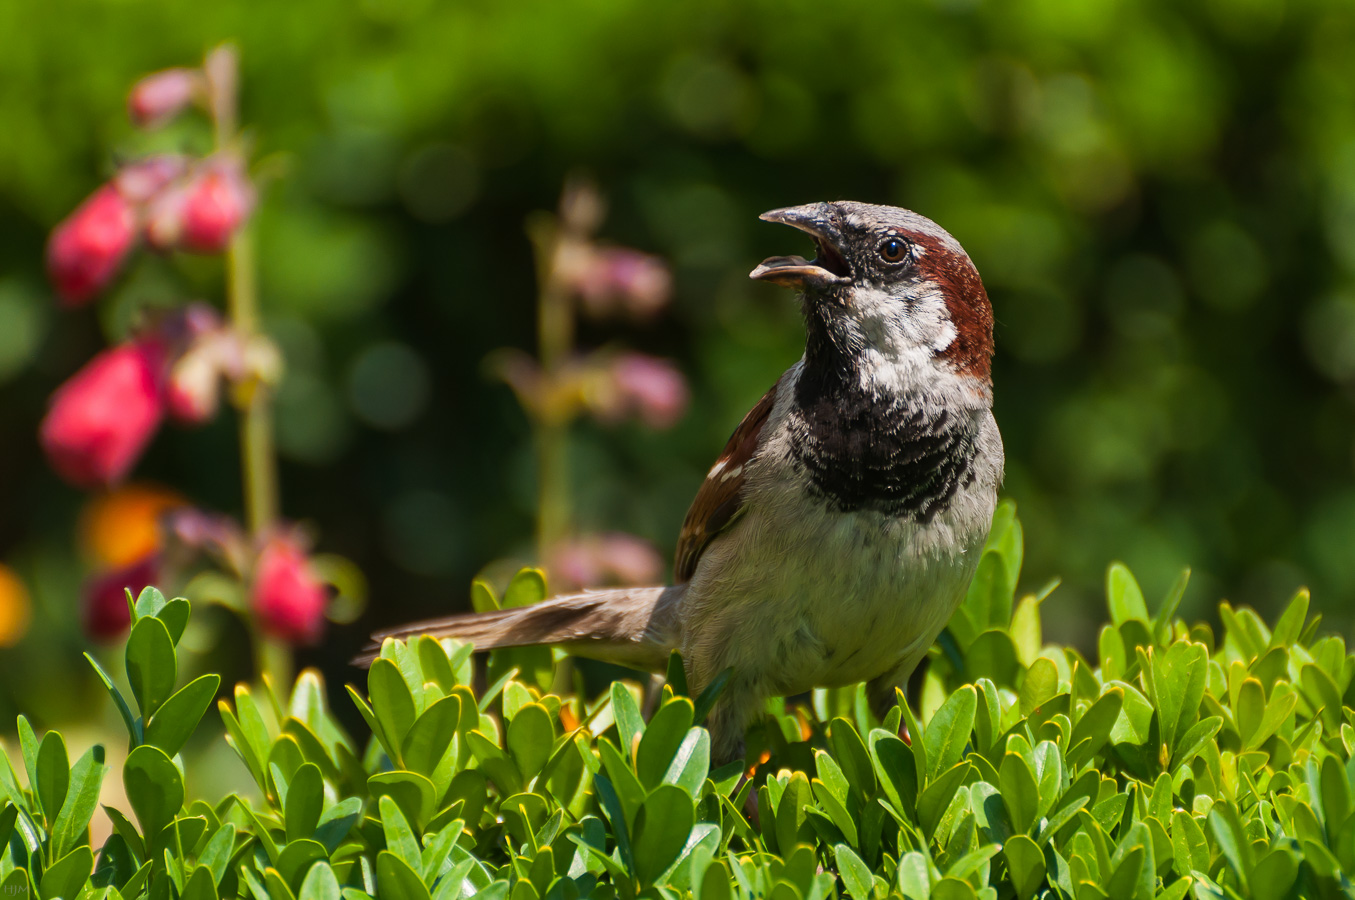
<point>720,498</point>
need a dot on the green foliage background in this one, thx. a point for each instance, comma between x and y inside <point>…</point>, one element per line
<point>1159,195</point>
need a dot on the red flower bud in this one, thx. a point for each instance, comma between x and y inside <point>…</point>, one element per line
<point>105,613</point>
<point>88,246</point>
<point>289,600</point>
<point>104,415</point>
<point>160,96</point>
<point>216,202</point>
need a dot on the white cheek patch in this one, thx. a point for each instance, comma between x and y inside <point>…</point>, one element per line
<point>896,327</point>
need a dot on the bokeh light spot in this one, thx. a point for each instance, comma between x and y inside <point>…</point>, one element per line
<point>389,385</point>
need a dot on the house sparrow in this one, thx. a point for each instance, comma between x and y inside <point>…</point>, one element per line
<point>840,527</point>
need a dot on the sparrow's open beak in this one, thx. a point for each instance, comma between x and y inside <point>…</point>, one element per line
<point>819,220</point>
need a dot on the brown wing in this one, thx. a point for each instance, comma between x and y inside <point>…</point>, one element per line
<point>721,495</point>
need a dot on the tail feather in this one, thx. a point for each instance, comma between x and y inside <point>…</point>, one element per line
<point>623,625</point>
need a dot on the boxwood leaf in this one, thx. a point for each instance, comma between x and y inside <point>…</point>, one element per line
<point>790,813</point>
<point>410,791</point>
<point>149,602</point>
<point>305,802</point>
<point>133,725</point>
<point>1025,865</point>
<point>948,731</point>
<point>66,876</point>
<point>392,703</point>
<point>296,859</point>
<point>320,884</point>
<point>152,667</point>
<point>661,830</point>
<point>176,720</point>
<point>82,798</point>
<point>934,799</point>
<point>691,762</point>
<point>850,753</point>
<point>629,722</point>
<point>199,886</point>
<point>1020,792</point>
<point>856,875</point>
<point>531,734</point>
<point>662,737</point>
<point>431,734</point>
<point>175,615</point>
<point>53,774</point>
<point>154,787</point>
<point>1124,596</point>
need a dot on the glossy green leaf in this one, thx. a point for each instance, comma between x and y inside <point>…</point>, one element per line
<point>662,737</point>
<point>320,884</point>
<point>66,876</point>
<point>629,722</point>
<point>531,734</point>
<point>948,731</point>
<point>691,763</point>
<point>305,802</point>
<point>431,734</point>
<point>176,720</point>
<point>154,787</point>
<point>850,753</point>
<point>1025,865</point>
<point>175,615</point>
<point>392,702</point>
<point>53,774</point>
<point>152,667</point>
<point>1020,791</point>
<point>411,792</point>
<point>661,830</point>
<point>81,800</point>
<point>199,886</point>
<point>855,873</point>
<point>129,720</point>
<point>1124,596</point>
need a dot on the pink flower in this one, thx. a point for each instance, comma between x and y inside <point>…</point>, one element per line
<point>160,96</point>
<point>620,279</point>
<point>105,613</point>
<point>194,389</point>
<point>215,203</point>
<point>104,415</point>
<point>289,600</point>
<point>613,558</point>
<point>140,181</point>
<point>88,246</point>
<point>651,388</point>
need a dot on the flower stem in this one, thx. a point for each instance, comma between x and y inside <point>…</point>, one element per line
<point>251,397</point>
<point>257,461</point>
<point>555,335</point>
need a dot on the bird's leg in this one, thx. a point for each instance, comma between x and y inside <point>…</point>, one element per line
<point>728,719</point>
<point>882,693</point>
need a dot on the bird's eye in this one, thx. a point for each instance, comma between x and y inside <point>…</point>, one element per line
<point>893,250</point>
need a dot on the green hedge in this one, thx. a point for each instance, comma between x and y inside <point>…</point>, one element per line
<point>1184,762</point>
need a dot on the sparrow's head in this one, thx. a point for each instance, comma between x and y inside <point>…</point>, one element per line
<point>888,283</point>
